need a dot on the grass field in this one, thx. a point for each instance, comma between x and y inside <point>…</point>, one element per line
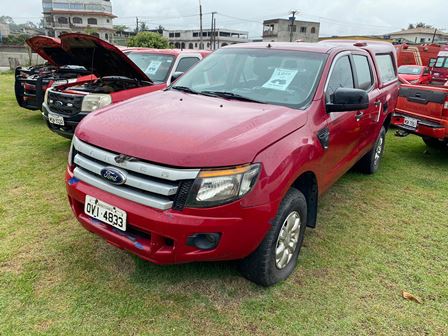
<point>376,236</point>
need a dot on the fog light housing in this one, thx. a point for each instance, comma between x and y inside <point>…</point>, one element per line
<point>204,241</point>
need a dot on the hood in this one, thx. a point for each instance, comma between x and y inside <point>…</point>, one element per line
<point>101,57</point>
<point>50,49</point>
<point>183,130</point>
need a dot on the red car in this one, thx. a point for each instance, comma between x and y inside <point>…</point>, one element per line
<point>230,161</point>
<point>414,74</point>
<point>120,77</point>
<point>440,68</point>
<point>32,82</point>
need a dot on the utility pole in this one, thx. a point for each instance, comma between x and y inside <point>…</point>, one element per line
<point>434,36</point>
<point>292,19</point>
<point>201,43</point>
<point>212,32</point>
<point>136,20</point>
<point>215,37</point>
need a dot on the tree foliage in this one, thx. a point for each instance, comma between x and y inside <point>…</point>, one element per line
<point>149,40</point>
<point>419,25</point>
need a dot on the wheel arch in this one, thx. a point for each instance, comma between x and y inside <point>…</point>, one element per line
<point>306,183</point>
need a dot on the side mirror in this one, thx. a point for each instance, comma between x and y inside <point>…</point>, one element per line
<point>176,75</point>
<point>344,99</point>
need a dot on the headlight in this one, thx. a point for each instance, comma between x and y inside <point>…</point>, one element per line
<point>71,152</point>
<point>46,97</point>
<point>217,187</point>
<point>95,101</point>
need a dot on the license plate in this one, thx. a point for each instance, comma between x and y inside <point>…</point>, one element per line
<point>55,119</point>
<point>105,213</point>
<point>411,122</point>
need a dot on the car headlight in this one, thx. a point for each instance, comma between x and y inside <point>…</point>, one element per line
<point>46,97</point>
<point>217,187</point>
<point>94,101</point>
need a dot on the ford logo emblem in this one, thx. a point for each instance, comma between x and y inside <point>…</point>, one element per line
<point>113,175</point>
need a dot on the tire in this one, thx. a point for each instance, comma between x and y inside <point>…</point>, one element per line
<point>370,162</point>
<point>263,266</point>
<point>436,144</point>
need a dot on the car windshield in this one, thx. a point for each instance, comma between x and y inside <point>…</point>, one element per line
<point>155,66</point>
<point>409,70</point>
<point>278,77</point>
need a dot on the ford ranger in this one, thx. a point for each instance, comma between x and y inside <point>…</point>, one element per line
<point>230,161</point>
<point>120,76</point>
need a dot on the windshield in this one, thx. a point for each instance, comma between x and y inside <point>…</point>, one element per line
<point>287,78</point>
<point>409,70</point>
<point>155,66</point>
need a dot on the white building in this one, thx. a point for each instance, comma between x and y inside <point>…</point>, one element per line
<point>419,35</point>
<point>84,16</point>
<point>190,39</point>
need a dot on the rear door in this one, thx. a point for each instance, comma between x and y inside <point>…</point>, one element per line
<point>343,128</point>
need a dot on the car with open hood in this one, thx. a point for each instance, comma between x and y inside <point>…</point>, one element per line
<point>230,161</point>
<point>32,82</point>
<point>120,77</point>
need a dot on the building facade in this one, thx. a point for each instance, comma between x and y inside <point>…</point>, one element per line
<point>419,35</point>
<point>279,30</point>
<point>81,16</point>
<point>190,39</point>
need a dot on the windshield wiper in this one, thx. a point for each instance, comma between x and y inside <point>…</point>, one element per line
<point>229,95</point>
<point>184,89</point>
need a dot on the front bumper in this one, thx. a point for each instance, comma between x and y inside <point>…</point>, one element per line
<point>161,236</point>
<point>70,122</point>
<point>426,128</point>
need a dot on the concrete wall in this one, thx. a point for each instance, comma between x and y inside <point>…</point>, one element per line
<point>20,53</point>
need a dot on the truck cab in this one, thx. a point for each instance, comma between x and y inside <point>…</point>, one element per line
<point>230,161</point>
<point>440,68</point>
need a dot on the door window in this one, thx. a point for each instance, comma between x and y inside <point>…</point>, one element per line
<point>363,72</point>
<point>386,68</point>
<point>341,77</point>
<point>186,63</point>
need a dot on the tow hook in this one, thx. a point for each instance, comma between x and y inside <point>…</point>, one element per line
<point>401,133</point>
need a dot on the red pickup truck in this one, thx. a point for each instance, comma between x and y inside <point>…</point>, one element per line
<point>120,75</point>
<point>423,110</point>
<point>230,161</point>
<point>32,82</point>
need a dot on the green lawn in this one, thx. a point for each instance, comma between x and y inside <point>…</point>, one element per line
<point>376,236</point>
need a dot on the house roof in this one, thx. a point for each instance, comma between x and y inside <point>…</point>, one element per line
<point>419,30</point>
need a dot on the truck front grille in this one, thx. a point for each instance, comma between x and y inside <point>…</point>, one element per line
<point>146,183</point>
<point>63,103</point>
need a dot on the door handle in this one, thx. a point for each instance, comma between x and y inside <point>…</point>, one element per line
<point>359,115</point>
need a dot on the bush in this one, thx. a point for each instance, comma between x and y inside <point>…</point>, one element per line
<point>149,40</point>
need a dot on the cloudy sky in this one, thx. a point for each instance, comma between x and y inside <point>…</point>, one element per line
<point>340,17</point>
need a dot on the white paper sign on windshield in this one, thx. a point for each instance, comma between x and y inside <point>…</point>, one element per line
<point>153,67</point>
<point>280,79</point>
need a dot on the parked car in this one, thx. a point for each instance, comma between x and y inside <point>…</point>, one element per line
<point>415,74</point>
<point>423,111</point>
<point>423,54</point>
<point>120,77</point>
<point>440,68</point>
<point>32,82</point>
<point>231,160</point>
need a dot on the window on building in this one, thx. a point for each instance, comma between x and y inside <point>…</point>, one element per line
<point>422,40</point>
<point>62,20</point>
<point>303,29</point>
<point>313,30</point>
<point>171,35</point>
<point>196,45</point>
<point>386,67</point>
<point>108,21</point>
<point>195,34</point>
<point>341,77</point>
<point>182,45</point>
<point>77,20</point>
<point>363,72</point>
<point>186,63</point>
<point>190,46</point>
<point>106,36</point>
<point>92,21</point>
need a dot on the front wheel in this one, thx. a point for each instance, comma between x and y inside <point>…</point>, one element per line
<point>370,162</point>
<point>276,257</point>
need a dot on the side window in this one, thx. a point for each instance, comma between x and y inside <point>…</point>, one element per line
<point>439,62</point>
<point>341,77</point>
<point>386,68</point>
<point>186,63</point>
<point>363,72</point>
